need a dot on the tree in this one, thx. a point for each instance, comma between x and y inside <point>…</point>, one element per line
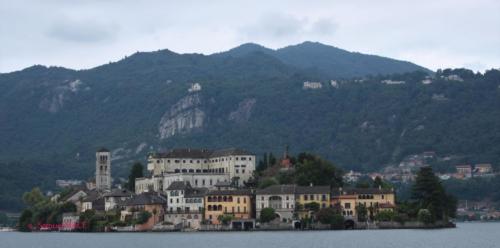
<point>361,212</point>
<point>330,216</point>
<point>425,216</point>
<point>266,182</point>
<point>312,169</point>
<point>33,197</point>
<point>25,221</point>
<point>143,217</point>
<point>272,159</point>
<point>135,172</point>
<point>225,219</point>
<point>267,215</point>
<point>312,206</point>
<point>385,215</point>
<point>428,193</point>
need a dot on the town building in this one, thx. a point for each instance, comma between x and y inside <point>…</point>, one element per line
<point>482,169</point>
<point>312,85</point>
<point>201,167</point>
<point>115,198</point>
<point>464,171</point>
<point>103,170</point>
<point>236,203</point>
<point>374,199</point>
<point>281,198</point>
<point>185,205</point>
<point>93,201</point>
<point>153,203</point>
<point>305,196</point>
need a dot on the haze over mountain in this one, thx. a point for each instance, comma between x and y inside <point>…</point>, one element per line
<point>251,97</point>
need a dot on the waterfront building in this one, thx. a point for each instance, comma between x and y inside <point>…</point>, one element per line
<point>305,196</point>
<point>279,197</point>
<point>153,203</point>
<point>93,201</point>
<point>185,205</point>
<point>237,203</point>
<point>374,199</point>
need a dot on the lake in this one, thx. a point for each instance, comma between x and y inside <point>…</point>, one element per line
<point>466,235</point>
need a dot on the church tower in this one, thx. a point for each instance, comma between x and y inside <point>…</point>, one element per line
<point>103,170</point>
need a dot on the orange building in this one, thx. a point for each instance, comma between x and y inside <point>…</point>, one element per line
<point>236,203</point>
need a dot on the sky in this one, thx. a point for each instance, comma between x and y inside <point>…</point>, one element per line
<point>82,34</point>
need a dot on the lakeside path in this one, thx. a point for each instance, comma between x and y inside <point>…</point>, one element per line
<point>466,235</point>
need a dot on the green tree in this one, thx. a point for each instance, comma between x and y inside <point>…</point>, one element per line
<point>225,218</point>
<point>266,182</point>
<point>428,193</point>
<point>135,172</point>
<point>330,216</point>
<point>362,212</point>
<point>143,217</point>
<point>267,215</point>
<point>312,169</point>
<point>425,216</point>
<point>33,197</point>
<point>312,206</point>
<point>25,220</point>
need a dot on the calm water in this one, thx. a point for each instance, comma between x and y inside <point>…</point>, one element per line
<point>466,235</point>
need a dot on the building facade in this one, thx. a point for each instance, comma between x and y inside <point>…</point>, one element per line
<point>235,164</point>
<point>236,203</point>
<point>103,170</point>
<point>374,199</point>
<point>281,198</point>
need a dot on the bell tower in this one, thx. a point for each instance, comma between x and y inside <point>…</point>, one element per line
<point>103,170</point>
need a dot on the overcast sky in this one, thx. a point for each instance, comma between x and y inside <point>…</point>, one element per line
<point>82,34</point>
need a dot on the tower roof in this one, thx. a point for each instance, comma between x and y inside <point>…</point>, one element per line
<point>102,149</point>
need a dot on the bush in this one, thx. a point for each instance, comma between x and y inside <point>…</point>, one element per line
<point>425,216</point>
<point>267,215</point>
<point>330,216</point>
<point>143,217</point>
<point>385,215</point>
<point>225,219</point>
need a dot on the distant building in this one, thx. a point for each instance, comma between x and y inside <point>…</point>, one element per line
<point>453,77</point>
<point>334,83</point>
<point>68,183</point>
<point>312,85</point>
<point>281,198</point>
<point>374,199</point>
<point>103,170</point>
<point>236,202</point>
<point>483,169</point>
<point>389,81</point>
<point>154,203</point>
<point>464,171</point>
<point>305,195</point>
<point>115,198</point>
<point>185,205</point>
<point>195,87</point>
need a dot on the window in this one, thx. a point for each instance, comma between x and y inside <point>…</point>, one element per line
<point>262,197</point>
<point>244,200</point>
<point>243,171</point>
<point>243,158</point>
<point>203,182</point>
<point>198,161</point>
<point>305,197</point>
<point>347,205</point>
<point>244,209</point>
<point>382,196</point>
<point>177,161</point>
<point>262,205</point>
<point>237,158</point>
<point>287,198</point>
<point>168,161</point>
<point>238,209</point>
<point>238,200</point>
<point>237,171</point>
<point>323,197</point>
<point>250,158</point>
<point>312,197</point>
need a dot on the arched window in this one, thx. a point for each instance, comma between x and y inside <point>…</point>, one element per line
<point>219,199</point>
<point>191,170</point>
<point>184,170</point>
<point>230,199</point>
<point>209,207</point>
<point>209,199</point>
<point>224,198</point>
<point>219,208</point>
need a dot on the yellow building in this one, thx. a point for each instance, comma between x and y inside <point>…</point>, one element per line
<point>305,195</point>
<point>374,199</point>
<point>236,203</point>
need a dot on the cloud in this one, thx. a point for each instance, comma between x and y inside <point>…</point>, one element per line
<point>85,31</point>
<point>278,26</point>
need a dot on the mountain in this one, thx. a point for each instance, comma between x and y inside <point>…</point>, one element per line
<point>329,61</point>
<point>53,119</point>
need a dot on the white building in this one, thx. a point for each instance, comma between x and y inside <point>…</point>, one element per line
<point>312,85</point>
<point>185,204</point>
<point>201,166</point>
<point>279,197</point>
<point>194,87</point>
<point>116,197</point>
<point>389,81</point>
